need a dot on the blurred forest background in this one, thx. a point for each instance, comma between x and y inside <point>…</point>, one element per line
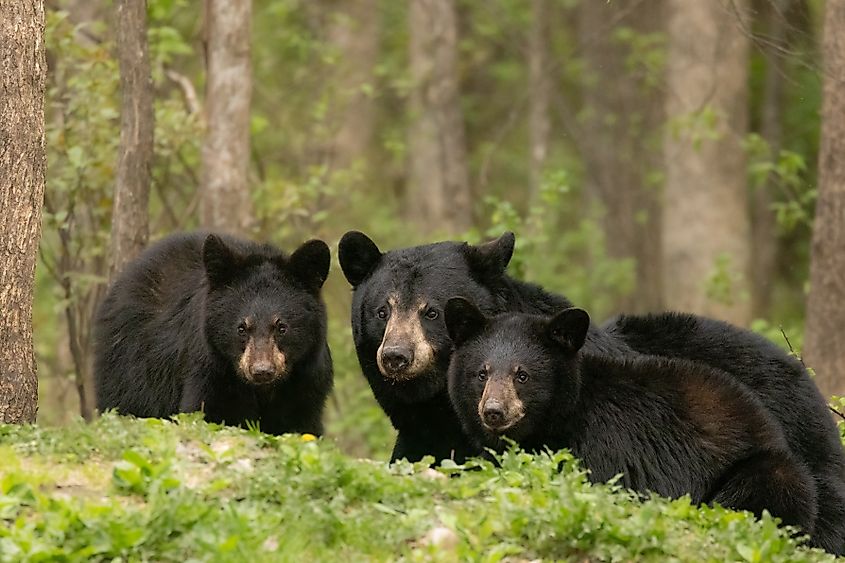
<point>649,154</point>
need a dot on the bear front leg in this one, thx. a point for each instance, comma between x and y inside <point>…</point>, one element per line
<point>194,395</point>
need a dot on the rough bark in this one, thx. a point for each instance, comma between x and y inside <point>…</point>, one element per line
<point>439,190</point>
<point>22,167</point>
<point>354,33</point>
<point>621,114</point>
<point>706,220</point>
<point>130,213</point>
<point>824,348</point>
<point>539,92</point>
<point>763,223</point>
<point>226,203</point>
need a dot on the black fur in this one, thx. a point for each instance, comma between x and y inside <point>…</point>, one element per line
<point>669,426</point>
<point>419,409</point>
<point>778,380</point>
<point>167,334</point>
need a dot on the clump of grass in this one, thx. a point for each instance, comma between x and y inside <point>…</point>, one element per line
<point>187,490</point>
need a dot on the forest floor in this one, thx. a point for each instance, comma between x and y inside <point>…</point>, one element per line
<point>153,490</point>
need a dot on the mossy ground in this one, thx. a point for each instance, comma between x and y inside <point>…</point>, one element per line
<point>185,490</point>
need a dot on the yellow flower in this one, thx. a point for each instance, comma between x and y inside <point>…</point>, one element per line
<point>308,437</point>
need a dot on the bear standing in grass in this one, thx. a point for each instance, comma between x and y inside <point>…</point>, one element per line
<point>233,328</point>
<point>669,426</point>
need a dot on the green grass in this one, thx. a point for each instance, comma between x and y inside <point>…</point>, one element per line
<point>152,490</point>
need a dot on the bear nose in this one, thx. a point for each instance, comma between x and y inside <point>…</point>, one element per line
<point>396,358</point>
<point>262,371</point>
<point>493,413</point>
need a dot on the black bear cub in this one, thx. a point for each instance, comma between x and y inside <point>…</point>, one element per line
<point>668,426</point>
<point>230,327</point>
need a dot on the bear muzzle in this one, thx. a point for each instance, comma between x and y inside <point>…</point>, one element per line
<point>500,407</point>
<point>262,362</point>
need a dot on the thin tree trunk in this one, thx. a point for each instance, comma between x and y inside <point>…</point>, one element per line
<point>226,202</point>
<point>22,166</point>
<point>622,112</point>
<point>539,92</point>
<point>706,220</point>
<point>130,214</point>
<point>763,223</point>
<point>824,348</point>
<point>354,33</point>
<point>439,178</point>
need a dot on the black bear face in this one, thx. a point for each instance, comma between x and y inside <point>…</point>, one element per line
<point>263,310</point>
<point>508,371</point>
<point>398,304</point>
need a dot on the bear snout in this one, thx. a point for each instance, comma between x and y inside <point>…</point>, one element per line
<point>262,362</point>
<point>493,413</point>
<point>396,359</point>
<point>500,407</point>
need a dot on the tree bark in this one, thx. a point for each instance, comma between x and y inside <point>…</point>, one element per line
<point>706,220</point>
<point>354,33</point>
<point>539,93</point>
<point>824,348</point>
<point>226,202</point>
<point>440,197</point>
<point>763,223</point>
<point>621,113</point>
<point>22,169</point>
<point>130,213</point>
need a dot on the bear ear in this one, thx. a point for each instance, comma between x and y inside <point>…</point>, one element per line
<point>569,329</point>
<point>221,262</point>
<point>310,264</point>
<point>358,256</point>
<point>463,320</point>
<point>491,258</point>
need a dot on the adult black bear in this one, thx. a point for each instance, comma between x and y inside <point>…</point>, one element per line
<point>669,426</point>
<point>231,327</point>
<point>779,381</point>
<point>400,338</point>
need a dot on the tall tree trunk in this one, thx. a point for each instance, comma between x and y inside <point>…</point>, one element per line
<point>824,348</point>
<point>354,33</point>
<point>763,223</point>
<point>22,164</point>
<point>706,220</point>
<point>130,214</point>
<point>539,92</point>
<point>438,178</point>
<point>622,111</point>
<point>226,202</point>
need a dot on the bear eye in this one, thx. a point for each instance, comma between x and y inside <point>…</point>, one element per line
<point>242,329</point>
<point>382,313</point>
<point>431,314</point>
<point>281,327</point>
<point>521,376</point>
<point>482,375</point>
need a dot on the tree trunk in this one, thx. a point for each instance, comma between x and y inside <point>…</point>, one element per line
<point>706,221</point>
<point>439,192</point>
<point>539,93</point>
<point>824,348</point>
<point>763,223</point>
<point>226,201</point>
<point>354,33</point>
<point>22,167</point>
<point>130,214</point>
<point>622,111</point>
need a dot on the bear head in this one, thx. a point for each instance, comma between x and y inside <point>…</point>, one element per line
<point>398,303</point>
<point>509,372</point>
<point>263,309</point>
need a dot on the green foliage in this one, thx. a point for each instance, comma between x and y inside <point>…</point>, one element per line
<point>187,490</point>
